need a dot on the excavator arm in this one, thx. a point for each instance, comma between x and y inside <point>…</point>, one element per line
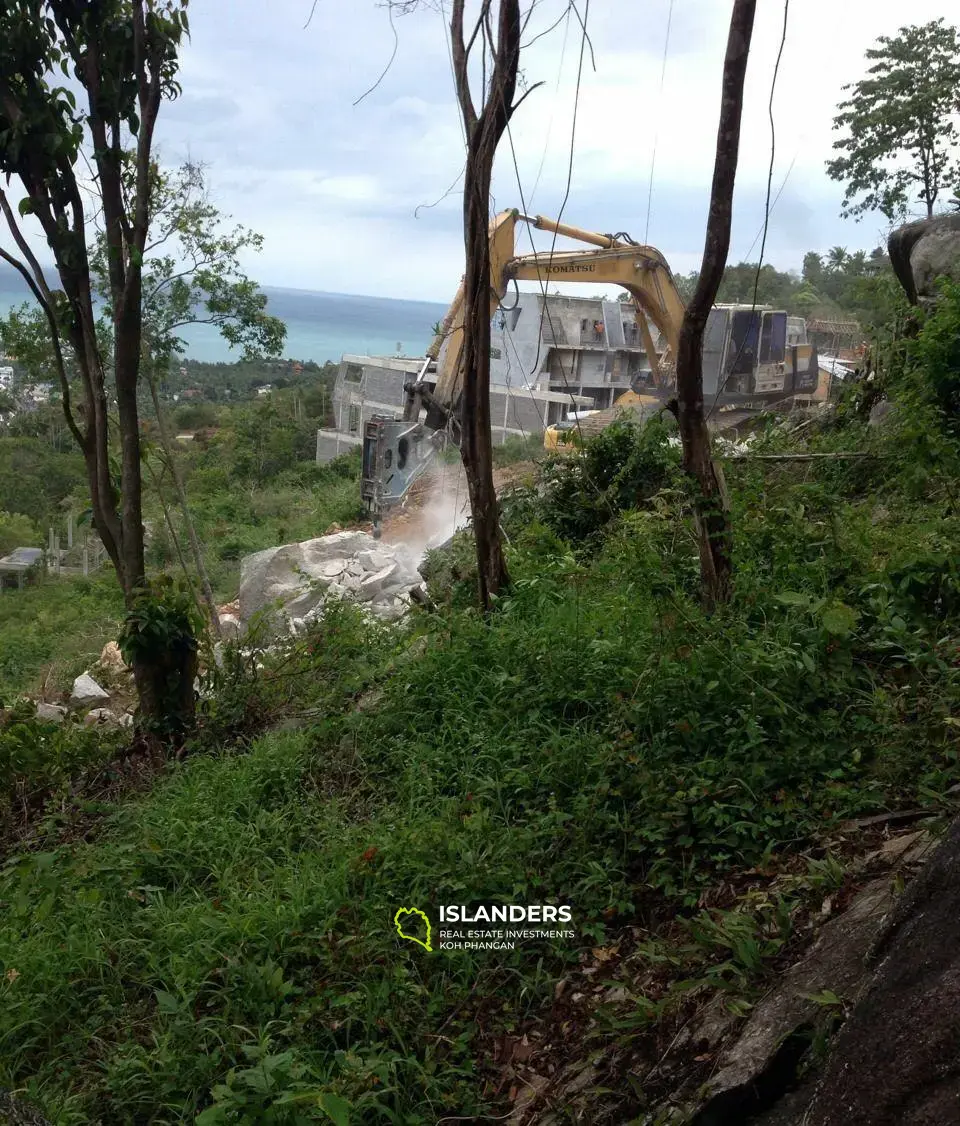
<point>641,270</point>
<point>396,452</point>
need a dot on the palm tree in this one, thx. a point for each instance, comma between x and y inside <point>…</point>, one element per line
<point>857,263</point>
<point>837,257</point>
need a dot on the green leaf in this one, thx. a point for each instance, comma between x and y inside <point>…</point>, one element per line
<point>166,1002</point>
<point>826,997</point>
<point>25,206</point>
<point>336,1109</point>
<point>839,619</point>
<point>793,598</point>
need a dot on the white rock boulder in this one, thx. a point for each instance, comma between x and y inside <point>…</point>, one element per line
<point>299,578</point>
<point>86,692</point>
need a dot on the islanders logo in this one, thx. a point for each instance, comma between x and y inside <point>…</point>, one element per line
<point>405,918</point>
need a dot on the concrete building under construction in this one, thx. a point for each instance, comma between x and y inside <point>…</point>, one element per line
<point>548,356</point>
<point>553,355</point>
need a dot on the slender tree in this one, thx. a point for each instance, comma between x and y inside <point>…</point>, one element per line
<point>191,275</point>
<point>121,59</point>
<point>483,130</point>
<point>713,523</point>
<point>899,124</point>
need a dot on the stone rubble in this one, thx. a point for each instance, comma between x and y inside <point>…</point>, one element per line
<point>301,577</point>
<point>51,713</point>
<point>86,692</point>
<point>100,717</point>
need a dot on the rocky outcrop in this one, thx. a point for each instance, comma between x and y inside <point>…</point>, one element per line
<point>288,586</point>
<point>896,1061</point>
<point>924,251</point>
<point>834,966</point>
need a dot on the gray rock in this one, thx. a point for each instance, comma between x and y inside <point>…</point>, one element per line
<point>86,692</point>
<point>925,251</point>
<point>879,411</point>
<point>390,611</point>
<point>375,584</point>
<point>292,582</point>
<point>836,963</point>
<point>100,717</point>
<point>229,627</point>
<point>374,560</point>
<point>126,720</point>
<point>895,1062</point>
<point>283,574</point>
<point>51,713</point>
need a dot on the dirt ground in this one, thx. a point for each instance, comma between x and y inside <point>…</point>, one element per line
<point>439,503</point>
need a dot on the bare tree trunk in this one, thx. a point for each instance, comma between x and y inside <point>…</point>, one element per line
<point>181,492</point>
<point>483,136</point>
<point>712,511</point>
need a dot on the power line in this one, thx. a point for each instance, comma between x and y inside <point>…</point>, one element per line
<point>776,200</point>
<point>546,144</point>
<point>656,133</point>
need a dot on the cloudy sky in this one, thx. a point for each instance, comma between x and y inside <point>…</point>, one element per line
<point>333,180</point>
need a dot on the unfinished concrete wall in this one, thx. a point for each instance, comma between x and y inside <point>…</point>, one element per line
<point>595,341</point>
<point>331,444</point>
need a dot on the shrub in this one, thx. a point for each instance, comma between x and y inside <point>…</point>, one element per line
<point>578,494</point>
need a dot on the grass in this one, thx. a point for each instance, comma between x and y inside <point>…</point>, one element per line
<point>49,633</point>
<point>222,949</point>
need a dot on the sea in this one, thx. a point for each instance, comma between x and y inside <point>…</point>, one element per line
<point>320,326</point>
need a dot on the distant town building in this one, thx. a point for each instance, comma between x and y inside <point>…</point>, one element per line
<point>35,395</point>
<point>6,378</point>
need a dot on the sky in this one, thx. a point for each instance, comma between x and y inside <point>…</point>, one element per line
<point>352,193</point>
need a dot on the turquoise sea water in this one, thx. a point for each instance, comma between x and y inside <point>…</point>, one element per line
<point>320,326</point>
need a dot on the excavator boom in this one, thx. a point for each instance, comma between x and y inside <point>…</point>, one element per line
<point>396,452</point>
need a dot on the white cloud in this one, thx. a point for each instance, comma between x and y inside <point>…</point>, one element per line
<point>335,187</point>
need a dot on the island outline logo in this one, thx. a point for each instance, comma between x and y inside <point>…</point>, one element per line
<point>403,912</point>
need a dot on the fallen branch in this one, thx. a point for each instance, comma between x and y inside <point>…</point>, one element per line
<point>798,457</point>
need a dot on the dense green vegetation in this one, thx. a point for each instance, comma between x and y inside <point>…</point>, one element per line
<point>833,286</point>
<point>252,483</point>
<point>221,948</point>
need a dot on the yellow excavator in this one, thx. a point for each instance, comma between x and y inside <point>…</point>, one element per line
<point>754,354</point>
<point>396,452</point>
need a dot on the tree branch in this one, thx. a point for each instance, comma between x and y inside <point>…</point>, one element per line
<point>460,65</point>
<point>55,340</point>
<point>23,245</point>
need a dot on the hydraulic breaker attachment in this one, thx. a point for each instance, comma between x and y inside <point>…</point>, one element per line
<point>395,453</point>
